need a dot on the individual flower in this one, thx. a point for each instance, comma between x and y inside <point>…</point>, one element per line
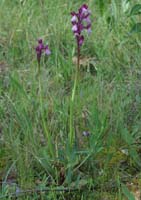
<point>86,133</point>
<point>40,49</point>
<point>81,21</point>
<point>47,51</point>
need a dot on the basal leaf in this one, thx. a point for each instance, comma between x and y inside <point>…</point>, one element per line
<point>136,10</point>
<point>127,193</point>
<point>136,28</point>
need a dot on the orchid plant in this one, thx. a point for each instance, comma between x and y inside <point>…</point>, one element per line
<point>80,21</point>
<point>43,49</point>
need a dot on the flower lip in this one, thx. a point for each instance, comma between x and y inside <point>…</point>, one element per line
<point>47,51</point>
<point>74,19</point>
<point>74,28</point>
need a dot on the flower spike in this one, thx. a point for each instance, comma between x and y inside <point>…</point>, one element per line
<point>81,21</point>
<point>41,49</point>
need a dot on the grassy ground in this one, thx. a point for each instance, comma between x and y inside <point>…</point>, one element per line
<point>34,116</point>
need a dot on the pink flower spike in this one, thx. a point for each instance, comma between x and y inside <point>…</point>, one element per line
<point>81,21</point>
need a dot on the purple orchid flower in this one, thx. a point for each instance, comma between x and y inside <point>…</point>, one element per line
<point>81,21</point>
<point>41,49</point>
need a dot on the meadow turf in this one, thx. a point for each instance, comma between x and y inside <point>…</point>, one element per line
<point>36,161</point>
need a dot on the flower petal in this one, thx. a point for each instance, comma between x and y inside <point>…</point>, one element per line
<point>87,20</point>
<point>74,28</point>
<point>47,51</point>
<point>74,19</point>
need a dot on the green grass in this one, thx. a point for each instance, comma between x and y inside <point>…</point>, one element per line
<point>35,117</point>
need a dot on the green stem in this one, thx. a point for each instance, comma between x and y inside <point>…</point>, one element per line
<point>47,135</point>
<point>38,73</point>
<point>72,132</point>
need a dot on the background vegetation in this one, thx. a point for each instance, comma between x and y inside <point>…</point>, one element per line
<point>104,165</point>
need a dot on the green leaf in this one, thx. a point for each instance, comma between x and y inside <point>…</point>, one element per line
<point>127,193</point>
<point>136,28</point>
<point>136,10</point>
<point>133,153</point>
<point>127,137</point>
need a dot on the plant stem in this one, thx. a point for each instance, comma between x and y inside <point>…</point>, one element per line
<point>78,56</point>
<point>72,133</point>
<point>47,135</point>
<point>38,73</point>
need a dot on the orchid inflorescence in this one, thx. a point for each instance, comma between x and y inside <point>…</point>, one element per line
<point>41,48</point>
<point>81,21</point>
